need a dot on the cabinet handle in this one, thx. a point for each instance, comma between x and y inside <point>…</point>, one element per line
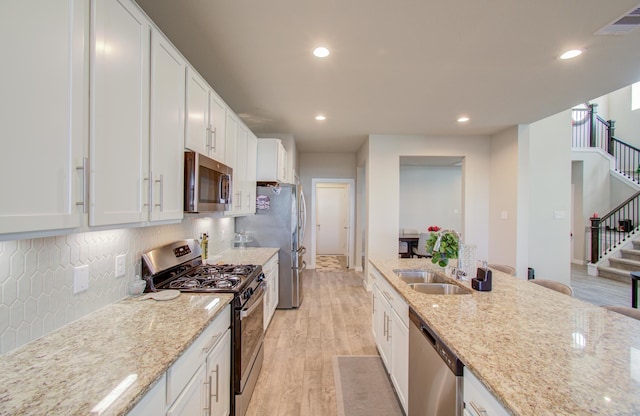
<point>387,295</point>
<point>85,185</point>
<point>148,204</point>
<point>385,328</point>
<point>207,139</point>
<point>212,343</point>
<point>217,382</point>
<point>388,327</point>
<point>206,407</point>
<point>248,199</point>
<point>373,303</point>
<point>161,204</point>
<point>481,411</point>
<point>214,136</point>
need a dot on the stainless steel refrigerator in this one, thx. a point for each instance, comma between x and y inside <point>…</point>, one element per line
<point>280,221</point>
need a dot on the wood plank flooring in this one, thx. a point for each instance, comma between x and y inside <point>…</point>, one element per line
<point>599,290</point>
<point>297,374</point>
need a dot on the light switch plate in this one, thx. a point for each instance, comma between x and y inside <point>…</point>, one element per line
<point>558,215</point>
<point>121,266</point>
<point>80,278</point>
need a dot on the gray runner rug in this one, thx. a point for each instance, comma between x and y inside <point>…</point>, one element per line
<point>362,387</point>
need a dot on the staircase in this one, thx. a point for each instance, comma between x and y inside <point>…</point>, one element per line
<point>620,267</point>
<point>615,241</point>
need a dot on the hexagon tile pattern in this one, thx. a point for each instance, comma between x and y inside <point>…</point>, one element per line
<point>36,275</point>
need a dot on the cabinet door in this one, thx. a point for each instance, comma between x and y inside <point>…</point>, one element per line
<point>400,359</point>
<point>191,401</point>
<point>231,130</point>
<point>167,130</point>
<point>119,139</point>
<point>252,160</point>
<point>219,377</point>
<point>197,123</point>
<point>153,403</point>
<point>43,114</point>
<point>240,171</point>
<point>382,320</point>
<point>217,128</point>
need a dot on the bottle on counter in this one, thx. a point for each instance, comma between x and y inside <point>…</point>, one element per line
<point>204,244</point>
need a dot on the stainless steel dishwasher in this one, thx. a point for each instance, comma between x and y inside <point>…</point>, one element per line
<point>435,373</point>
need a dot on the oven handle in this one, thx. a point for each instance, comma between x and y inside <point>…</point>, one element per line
<point>255,304</point>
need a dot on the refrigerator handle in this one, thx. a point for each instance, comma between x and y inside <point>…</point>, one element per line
<point>303,216</point>
<point>302,250</point>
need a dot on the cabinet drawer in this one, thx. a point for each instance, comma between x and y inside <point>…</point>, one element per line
<point>478,399</point>
<point>186,366</point>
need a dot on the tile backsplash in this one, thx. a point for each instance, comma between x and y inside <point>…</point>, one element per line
<point>36,275</point>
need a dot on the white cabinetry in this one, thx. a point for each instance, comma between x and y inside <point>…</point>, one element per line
<point>206,118</point>
<point>272,161</point>
<point>167,130</point>
<point>271,281</point>
<point>137,119</point>
<point>219,377</point>
<point>119,139</point>
<point>390,324</point>
<point>190,382</point>
<point>252,160</point>
<point>477,399</point>
<point>43,113</point>
<point>153,403</point>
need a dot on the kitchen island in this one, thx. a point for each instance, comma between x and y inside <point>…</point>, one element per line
<point>537,351</point>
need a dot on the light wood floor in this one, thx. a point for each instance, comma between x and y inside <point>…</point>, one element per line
<point>297,374</point>
<point>599,290</point>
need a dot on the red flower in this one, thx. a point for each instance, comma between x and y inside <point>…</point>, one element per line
<point>433,228</point>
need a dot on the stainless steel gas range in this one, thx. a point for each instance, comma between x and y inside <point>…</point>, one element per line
<point>179,266</point>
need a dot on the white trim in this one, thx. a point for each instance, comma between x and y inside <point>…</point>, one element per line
<point>351,189</point>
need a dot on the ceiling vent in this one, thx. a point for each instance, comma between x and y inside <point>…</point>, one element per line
<point>622,25</point>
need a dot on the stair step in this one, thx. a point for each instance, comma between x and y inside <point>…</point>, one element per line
<point>614,274</point>
<point>636,244</point>
<point>624,264</point>
<point>630,254</point>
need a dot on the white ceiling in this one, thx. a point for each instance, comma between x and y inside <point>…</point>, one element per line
<point>399,67</point>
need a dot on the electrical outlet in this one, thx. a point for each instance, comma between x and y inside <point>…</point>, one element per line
<point>80,278</point>
<point>121,266</point>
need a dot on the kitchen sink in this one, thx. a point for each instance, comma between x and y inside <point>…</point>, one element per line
<point>439,289</point>
<point>419,276</point>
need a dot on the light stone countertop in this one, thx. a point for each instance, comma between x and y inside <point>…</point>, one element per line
<point>538,351</point>
<point>72,369</point>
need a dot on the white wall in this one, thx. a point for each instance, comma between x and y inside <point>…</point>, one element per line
<point>322,165</point>
<point>383,175</point>
<point>503,201</point>
<point>37,274</point>
<point>627,126</point>
<point>550,193</point>
<point>418,184</point>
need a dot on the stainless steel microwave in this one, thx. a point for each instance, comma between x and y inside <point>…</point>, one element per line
<point>207,184</point>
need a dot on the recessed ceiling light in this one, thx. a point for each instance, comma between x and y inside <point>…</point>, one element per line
<point>320,117</point>
<point>321,52</point>
<point>463,119</point>
<point>571,54</point>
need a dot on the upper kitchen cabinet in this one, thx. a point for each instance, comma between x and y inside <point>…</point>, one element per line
<point>242,150</point>
<point>272,161</point>
<point>119,137</point>
<point>44,84</point>
<point>252,160</point>
<point>166,145</point>
<point>206,118</point>
<point>230,157</point>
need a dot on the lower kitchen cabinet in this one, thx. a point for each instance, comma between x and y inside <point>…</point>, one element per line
<point>478,401</point>
<point>271,279</point>
<point>390,325</point>
<point>199,382</point>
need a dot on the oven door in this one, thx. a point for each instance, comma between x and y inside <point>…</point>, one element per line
<point>249,336</point>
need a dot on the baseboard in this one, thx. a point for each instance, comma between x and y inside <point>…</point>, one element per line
<point>358,269</point>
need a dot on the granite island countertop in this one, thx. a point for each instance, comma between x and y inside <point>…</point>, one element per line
<point>70,370</point>
<point>538,351</point>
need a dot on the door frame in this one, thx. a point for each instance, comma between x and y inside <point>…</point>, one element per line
<point>352,203</point>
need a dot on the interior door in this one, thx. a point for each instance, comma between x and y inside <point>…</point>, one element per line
<point>332,210</point>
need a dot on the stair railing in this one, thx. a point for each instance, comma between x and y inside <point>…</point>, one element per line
<point>612,229</point>
<point>591,130</point>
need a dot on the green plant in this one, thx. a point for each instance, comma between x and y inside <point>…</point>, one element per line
<point>442,246</point>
